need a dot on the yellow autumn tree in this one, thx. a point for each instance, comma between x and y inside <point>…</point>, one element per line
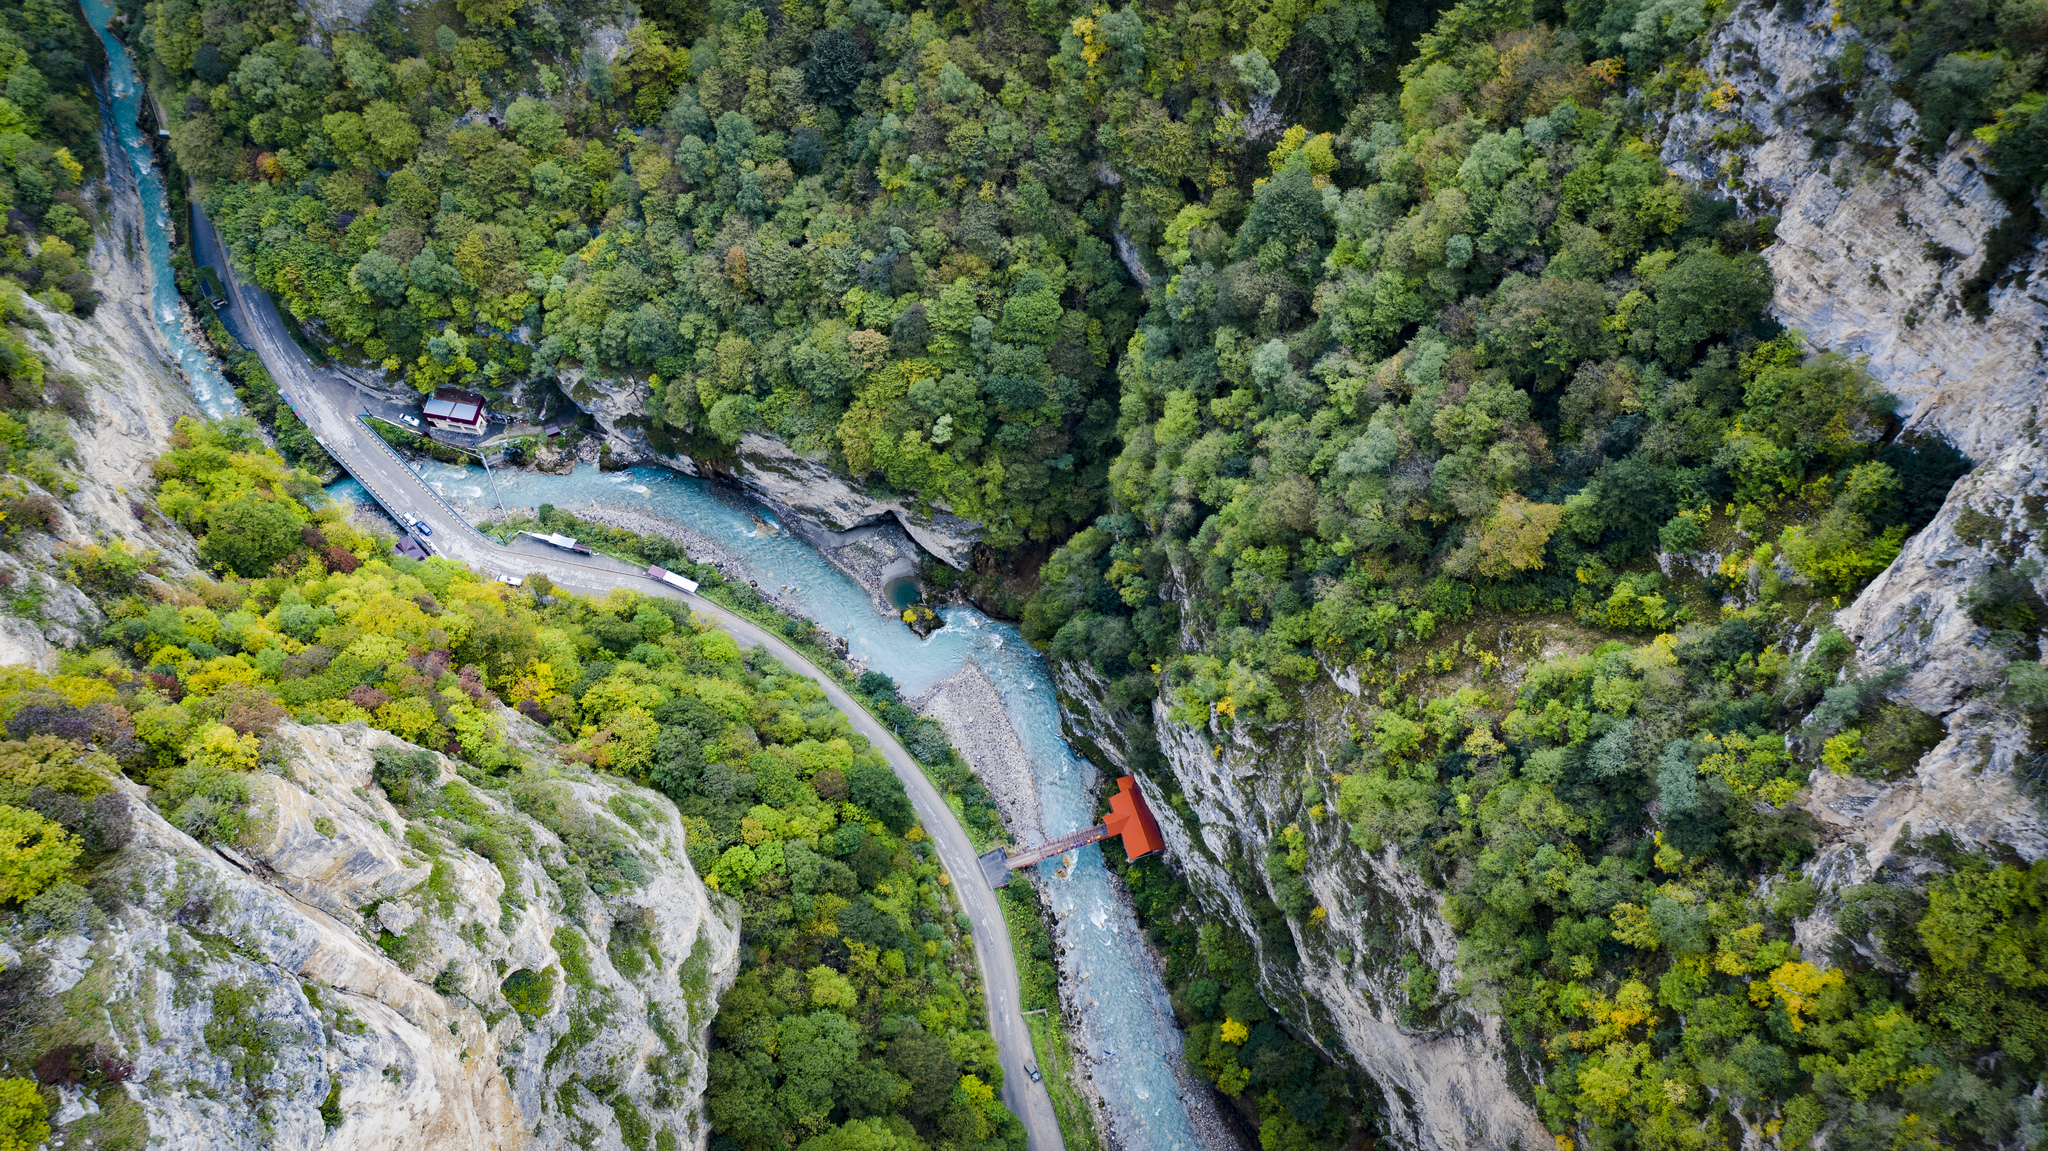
<point>1799,987</point>
<point>1510,539</point>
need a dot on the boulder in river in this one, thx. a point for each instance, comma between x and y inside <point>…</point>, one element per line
<point>922,620</point>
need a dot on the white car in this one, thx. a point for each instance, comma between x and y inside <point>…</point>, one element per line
<point>515,581</point>
<point>413,420</point>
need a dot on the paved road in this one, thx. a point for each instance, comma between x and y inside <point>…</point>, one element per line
<point>328,403</point>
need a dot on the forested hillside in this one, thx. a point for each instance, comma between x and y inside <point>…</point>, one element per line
<point>857,1021</point>
<point>49,145</point>
<point>1474,379</point>
<point>1329,340</point>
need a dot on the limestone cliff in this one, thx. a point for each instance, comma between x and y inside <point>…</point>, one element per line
<point>1878,253</point>
<point>356,975</point>
<point>817,501</point>
<point>1443,1068</point>
<point>121,397</point>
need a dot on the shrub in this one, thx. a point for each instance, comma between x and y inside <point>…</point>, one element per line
<point>34,853</point>
<point>24,1119</point>
<point>529,992</point>
<point>208,802</point>
<point>2005,601</point>
<point>407,774</point>
<point>63,908</point>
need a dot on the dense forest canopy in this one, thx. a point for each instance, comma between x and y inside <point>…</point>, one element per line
<point>49,144</point>
<point>1318,335</point>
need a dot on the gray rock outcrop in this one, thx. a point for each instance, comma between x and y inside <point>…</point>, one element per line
<point>1874,260</point>
<point>127,396</point>
<point>349,976</point>
<point>1445,1072</point>
<point>815,500</point>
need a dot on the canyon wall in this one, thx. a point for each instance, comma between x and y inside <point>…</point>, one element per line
<point>355,976</point>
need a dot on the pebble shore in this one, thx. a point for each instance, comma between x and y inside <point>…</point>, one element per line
<point>971,711</point>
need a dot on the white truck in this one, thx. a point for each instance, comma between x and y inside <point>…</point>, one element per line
<point>671,579</point>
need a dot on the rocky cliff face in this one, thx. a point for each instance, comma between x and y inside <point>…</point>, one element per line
<point>124,395</point>
<point>815,500</point>
<point>1339,982</point>
<point>1875,257</point>
<point>354,975</point>
<point>1877,254</point>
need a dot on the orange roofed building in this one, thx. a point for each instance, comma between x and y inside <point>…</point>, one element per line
<point>1131,819</point>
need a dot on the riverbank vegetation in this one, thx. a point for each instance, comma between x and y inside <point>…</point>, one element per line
<point>1039,979</point>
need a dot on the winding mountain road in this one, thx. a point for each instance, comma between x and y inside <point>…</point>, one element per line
<point>328,404</point>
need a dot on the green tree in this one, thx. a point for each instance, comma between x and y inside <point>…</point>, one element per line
<point>535,124</point>
<point>835,66</point>
<point>1703,295</point>
<point>393,137</point>
<point>862,1135</point>
<point>34,853</point>
<point>250,534</point>
<point>924,1059</point>
<point>815,1052</point>
<point>382,276</point>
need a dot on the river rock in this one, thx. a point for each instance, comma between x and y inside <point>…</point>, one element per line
<point>922,620</point>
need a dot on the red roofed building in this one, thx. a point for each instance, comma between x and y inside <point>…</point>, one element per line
<point>455,411</point>
<point>1130,818</point>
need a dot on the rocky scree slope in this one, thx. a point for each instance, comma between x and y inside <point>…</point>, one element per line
<point>355,974</point>
<point>1876,255</point>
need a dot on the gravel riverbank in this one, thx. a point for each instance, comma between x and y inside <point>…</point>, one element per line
<point>968,706</point>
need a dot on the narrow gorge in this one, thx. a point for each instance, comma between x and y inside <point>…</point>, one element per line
<point>1544,497</point>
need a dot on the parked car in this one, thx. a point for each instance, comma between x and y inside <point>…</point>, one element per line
<point>413,420</point>
<point>515,581</point>
<point>1031,1069</point>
